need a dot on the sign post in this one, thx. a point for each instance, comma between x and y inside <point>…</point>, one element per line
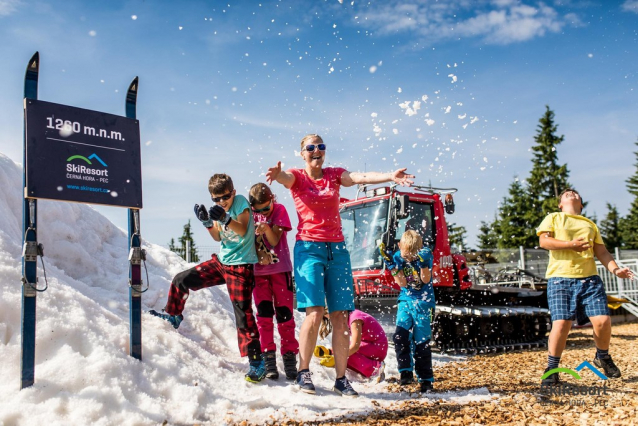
<point>77,155</point>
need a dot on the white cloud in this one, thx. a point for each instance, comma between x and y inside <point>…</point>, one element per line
<point>7,7</point>
<point>496,21</point>
<point>630,6</point>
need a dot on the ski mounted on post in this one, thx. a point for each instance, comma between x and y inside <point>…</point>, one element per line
<point>30,245</point>
<point>136,254</point>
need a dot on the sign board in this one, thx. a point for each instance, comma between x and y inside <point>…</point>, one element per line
<point>83,156</point>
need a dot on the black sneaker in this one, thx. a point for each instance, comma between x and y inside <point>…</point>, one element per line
<point>344,388</point>
<point>551,380</point>
<point>304,382</point>
<point>270,360</point>
<point>175,320</point>
<point>427,387</point>
<point>607,364</point>
<point>290,365</point>
<point>407,378</point>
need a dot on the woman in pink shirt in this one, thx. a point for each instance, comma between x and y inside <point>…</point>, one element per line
<point>323,274</point>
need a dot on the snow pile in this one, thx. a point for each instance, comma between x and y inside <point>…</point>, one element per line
<point>83,373</point>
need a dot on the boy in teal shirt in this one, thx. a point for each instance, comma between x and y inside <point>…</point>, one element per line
<point>230,221</point>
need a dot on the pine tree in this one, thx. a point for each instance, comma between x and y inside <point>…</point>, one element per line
<point>610,229</point>
<point>172,247</point>
<point>629,224</point>
<point>186,237</point>
<point>488,238</point>
<point>548,178</point>
<point>515,226</point>
<point>456,236</point>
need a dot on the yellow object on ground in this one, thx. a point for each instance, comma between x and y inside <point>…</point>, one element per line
<point>322,351</point>
<point>328,361</point>
<point>615,302</point>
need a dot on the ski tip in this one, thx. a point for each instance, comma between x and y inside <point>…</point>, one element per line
<point>34,62</point>
<point>133,85</point>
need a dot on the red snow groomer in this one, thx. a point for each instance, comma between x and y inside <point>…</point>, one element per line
<point>470,316</point>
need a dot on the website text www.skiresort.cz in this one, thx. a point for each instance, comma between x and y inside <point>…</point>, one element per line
<point>87,188</point>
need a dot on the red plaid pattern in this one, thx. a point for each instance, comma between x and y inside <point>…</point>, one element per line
<point>239,280</point>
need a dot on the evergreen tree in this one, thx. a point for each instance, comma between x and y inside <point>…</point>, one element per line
<point>515,226</point>
<point>488,238</point>
<point>172,247</point>
<point>456,237</point>
<point>629,224</point>
<point>548,178</point>
<point>186,237</point>
<point>610,229</point>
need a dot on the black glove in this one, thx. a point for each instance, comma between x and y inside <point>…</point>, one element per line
<point>218,213</point>
<point>203,216</point>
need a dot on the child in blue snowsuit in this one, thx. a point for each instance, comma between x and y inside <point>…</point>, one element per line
<point>411,267</point>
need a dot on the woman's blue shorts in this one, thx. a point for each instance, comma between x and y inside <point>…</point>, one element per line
<point>323,275</point>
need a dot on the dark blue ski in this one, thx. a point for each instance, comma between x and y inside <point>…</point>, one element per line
<point>135,253</point>
<point>29,242</point>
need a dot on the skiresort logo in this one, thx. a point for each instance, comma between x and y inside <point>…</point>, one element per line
<point>82,172</point>
<point>88,160</point>
<point>571,391</point>
<point>575,374</point>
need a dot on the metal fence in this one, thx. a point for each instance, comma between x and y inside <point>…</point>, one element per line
<point>536,260</point>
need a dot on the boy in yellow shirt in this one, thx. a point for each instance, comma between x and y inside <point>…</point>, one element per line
<point>574,290</point>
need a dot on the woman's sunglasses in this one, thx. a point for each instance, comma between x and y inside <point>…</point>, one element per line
<point>264,209</point>
<point>223,197</point>
<point>311,148</point>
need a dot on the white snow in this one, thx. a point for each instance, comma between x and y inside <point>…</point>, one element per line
<point>83,373</point>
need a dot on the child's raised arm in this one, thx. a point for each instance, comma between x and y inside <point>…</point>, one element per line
<point>240,226</point>
<point>273,234</point>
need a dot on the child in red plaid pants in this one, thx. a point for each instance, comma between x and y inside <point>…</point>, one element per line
<point>229,221</point>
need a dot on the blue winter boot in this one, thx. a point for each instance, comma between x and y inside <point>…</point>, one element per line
<point>257,371</point>
<point>175,320</point>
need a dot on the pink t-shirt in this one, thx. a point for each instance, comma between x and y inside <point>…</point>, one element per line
<point>371,330</point>
<point>317,204</point>
<point>280,252</point>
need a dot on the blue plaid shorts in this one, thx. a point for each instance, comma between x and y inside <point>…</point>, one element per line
<point>576,298</point>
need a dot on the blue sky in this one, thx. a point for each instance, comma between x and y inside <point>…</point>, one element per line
<point>453,90</point>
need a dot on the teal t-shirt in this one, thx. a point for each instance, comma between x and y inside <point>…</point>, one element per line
<point>238,250</point>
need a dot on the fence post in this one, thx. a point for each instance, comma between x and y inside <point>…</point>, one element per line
<point>188,251</point>
<point>617,253</point>
<point>521,262</point>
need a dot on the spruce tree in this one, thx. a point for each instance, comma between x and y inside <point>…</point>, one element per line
<point>180,249</point>
<point>610,229</point>
<point>548,178</point>
<point>172,247</point>
<point>515,226</point>
<point>456,237</point>
<point>488,237</point>
<point>629,224</point>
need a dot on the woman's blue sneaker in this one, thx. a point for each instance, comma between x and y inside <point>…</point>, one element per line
<point>344,388</point>
<point>304,381</point>
<point>257,371</point>
<point>175,320</point>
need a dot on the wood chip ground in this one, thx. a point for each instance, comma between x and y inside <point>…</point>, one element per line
<point>513,379</point>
